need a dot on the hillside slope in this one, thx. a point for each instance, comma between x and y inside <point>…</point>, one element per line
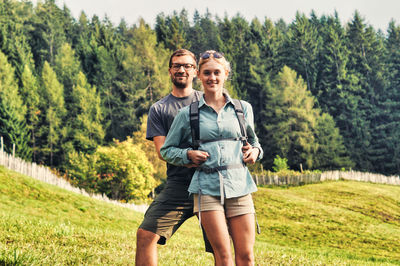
<point>349,220</point>
<point>333,223</point>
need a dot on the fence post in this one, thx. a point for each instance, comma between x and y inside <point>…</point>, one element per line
<point>2,152</point>
<point>13,158</point>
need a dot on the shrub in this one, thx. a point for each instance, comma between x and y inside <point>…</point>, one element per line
<point>81,171</point>
<point>121,171</point>
<point>125,170</point>
<point>280,164</point>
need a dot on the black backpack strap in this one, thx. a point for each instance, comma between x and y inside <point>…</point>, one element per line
<point>195,124</point>
<point>240,114</point>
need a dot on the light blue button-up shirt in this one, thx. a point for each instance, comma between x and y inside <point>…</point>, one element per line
<point>235,182</point>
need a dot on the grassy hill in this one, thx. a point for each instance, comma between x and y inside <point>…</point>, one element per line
<point>333,223</point>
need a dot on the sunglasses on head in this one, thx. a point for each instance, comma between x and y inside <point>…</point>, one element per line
<point>207,55</point>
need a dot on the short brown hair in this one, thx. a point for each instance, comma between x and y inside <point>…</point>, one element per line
<point>182,52</point>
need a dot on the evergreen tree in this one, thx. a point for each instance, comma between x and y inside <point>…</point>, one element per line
<point>14,132</point>
<point>30,94</point>
<point>52,130</point>
<point>68,24</point>
<point>332,75</point>
<point>12,113</point>
<point>171,30</point>
<point>301,49</point>
<point>185,24</point>
<point>47,32</point>
<point>331,153</point>
<point>234,43</point>
<point>390,118</point>
<point>161,28</point>
<point>270,40</point>
<point>9,92</point>
<point>67,67</point>
<point>290,121</point>
<point>122,30</point>
<point>335,87</point>
<point>83,124</point>
<point>293,128</point>
<point>262,64</point>
<point>204,34</point>
<point>146,65</point>
<point>85,45</point>
<point>366,69</point>
<point>13,39</point>
<point>107,54</point>
<point>352,71</point>
<point>253,81</point>
<point>85,132</point>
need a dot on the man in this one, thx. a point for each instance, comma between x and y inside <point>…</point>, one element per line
<point>173,206</point>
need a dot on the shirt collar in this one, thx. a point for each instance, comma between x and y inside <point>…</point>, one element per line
<point>203,102</point>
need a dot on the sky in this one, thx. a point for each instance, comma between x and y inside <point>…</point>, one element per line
<point>378,13</point>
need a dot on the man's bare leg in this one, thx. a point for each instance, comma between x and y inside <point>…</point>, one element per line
<point>146,248</point>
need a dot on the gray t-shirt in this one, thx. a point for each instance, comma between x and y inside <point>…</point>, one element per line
<point>161,116</point>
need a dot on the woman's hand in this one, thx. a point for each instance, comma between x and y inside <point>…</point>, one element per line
<point>250,154</point>
<point>197,157</point>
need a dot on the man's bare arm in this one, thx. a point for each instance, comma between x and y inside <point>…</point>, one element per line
<point>158,143</point>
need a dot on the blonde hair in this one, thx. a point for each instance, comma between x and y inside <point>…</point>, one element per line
<point>221,60</point>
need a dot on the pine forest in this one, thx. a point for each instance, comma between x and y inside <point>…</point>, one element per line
<point>75,92</point>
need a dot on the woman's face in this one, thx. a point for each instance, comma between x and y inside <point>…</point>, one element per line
<point>212,76</point>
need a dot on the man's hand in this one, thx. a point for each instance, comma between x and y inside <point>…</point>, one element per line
<point>250,154</point>
<point>197,157</point>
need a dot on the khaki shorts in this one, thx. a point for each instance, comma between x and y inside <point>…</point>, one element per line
<point>232,207</point>
<point>169,211</point>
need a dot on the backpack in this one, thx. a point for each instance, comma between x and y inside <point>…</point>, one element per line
<point>195,124</point>
<point>195,131</point>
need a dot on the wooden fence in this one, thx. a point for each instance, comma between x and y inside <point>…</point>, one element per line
<point>273,179</point>
<point>44,174</point>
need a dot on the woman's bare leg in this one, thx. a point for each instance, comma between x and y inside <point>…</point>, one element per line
<point>242,230</point>
<point>214,224</point>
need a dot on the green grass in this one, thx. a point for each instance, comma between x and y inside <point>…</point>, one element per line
<point>343,220</point>
<point>333,223</point>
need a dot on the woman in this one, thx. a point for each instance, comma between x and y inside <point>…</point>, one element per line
<point>222,184</point>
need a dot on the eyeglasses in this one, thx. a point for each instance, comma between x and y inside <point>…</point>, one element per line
<point>207,55</point>
<point>177,66</point>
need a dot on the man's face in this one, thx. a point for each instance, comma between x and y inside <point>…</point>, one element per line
<point>182,71</point>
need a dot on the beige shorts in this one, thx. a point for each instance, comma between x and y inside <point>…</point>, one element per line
<point>232,207</point>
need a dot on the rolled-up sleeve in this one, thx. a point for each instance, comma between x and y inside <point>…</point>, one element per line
<point>252,137</point>
<point>171,151</point>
